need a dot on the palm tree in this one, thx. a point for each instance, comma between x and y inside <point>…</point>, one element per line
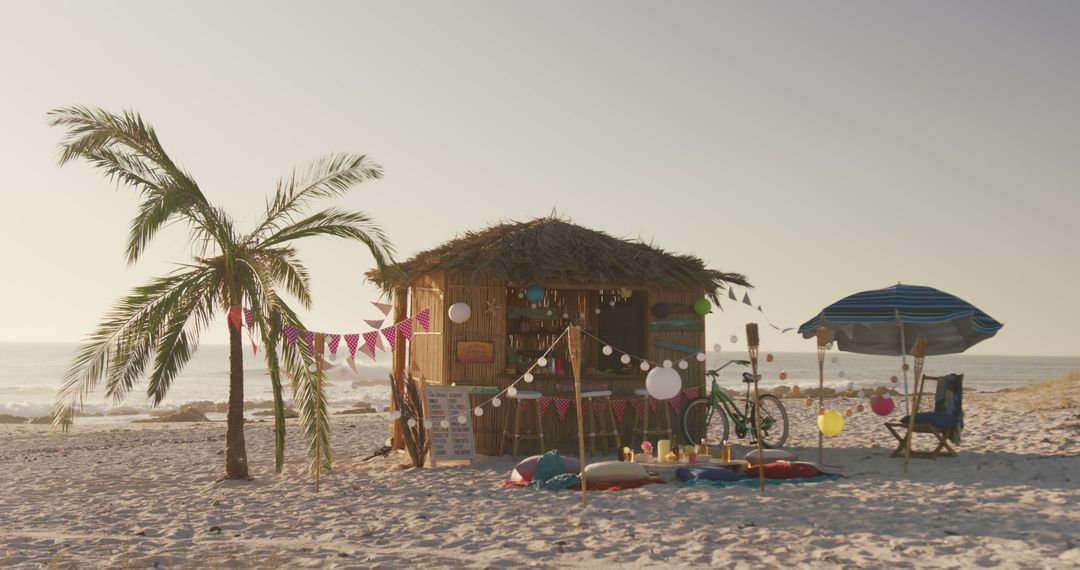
<point>158,324</point>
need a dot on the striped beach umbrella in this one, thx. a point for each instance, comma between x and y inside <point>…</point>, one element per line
<point>887,321</point>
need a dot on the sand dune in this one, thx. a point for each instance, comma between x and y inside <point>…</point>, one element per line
<point>144,495</point>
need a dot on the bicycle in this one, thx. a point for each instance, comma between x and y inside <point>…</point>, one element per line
<point>719,406</point>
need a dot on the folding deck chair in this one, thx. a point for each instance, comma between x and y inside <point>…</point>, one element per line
<point>945,423</point>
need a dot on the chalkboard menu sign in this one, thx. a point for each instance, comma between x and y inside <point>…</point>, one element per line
<point>454,442</point>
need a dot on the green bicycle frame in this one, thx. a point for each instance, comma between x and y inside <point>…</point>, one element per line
<point>720,397</point>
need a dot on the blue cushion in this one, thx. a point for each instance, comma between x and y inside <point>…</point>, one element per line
<point>549,465</point>
<point>706,473</point>
<point>940,420</point>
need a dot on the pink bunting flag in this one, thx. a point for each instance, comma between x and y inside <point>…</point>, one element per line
<point>351,360</point>
<point>352,341</point>
<point>521,407</point>
<point>598,407</point>
<point>406,328</point>
<point>619,408</point>
<point>639,407</point>
<point>309,336</point>
<point>332,340</point>
<point>691,393</point>
<point>291,334</point>
<point>390,334</point>
<point>424,318</point>
<point>234,318</point>
<point>542,405</point>
<point>562,405</point>
<point>676,403</point>
<point>370,339</point>
<point>385,308</point>
<point>375,323</point>
<point>249,318</point>
<point>652,404</point>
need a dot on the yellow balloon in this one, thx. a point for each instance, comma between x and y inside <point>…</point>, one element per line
<point>831,423</point>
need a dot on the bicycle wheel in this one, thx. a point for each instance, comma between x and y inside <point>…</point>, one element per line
<point>702,420</point>
<point>774,422</point>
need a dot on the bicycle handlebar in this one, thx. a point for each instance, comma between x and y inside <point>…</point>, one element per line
<point>716,372</point>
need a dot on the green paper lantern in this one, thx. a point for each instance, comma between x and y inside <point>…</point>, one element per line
<point>702,306</point>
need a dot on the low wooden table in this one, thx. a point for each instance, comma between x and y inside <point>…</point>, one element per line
<point>666,471</point>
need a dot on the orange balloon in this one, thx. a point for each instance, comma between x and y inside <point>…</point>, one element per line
<point>795,390</point>
<point>848,412</point>
<point>820,411</point>
<point>894,379</point>
<point>906,366</point>
<point>859,408</point>
<point>769,357</point>
<point>783,374</point>
<point>809,402</point>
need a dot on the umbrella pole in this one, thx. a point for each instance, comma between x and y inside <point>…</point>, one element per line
<point>919,352</point>
<point>903,358</point>
<point>822,340</point>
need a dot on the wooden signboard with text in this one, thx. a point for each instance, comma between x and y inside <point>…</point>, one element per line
<point>475,352</point>
<point>455,442</point>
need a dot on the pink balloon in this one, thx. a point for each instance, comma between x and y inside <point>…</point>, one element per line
<point>882,405</point>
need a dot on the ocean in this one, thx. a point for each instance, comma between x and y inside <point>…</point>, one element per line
<point>29,374</point>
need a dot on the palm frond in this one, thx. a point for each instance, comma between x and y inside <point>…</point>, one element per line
<point>179,340</point>
<point>326,177</point>
<point>355,226</point>
<point>122,339</point>
<point>309,399</point>
<point>283,267</point>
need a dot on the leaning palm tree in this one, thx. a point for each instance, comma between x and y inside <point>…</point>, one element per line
<point>155,329</point>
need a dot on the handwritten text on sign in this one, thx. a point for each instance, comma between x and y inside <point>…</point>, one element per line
<point>448,403</point>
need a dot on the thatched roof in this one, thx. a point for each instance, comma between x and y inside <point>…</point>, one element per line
<point>553,251</point>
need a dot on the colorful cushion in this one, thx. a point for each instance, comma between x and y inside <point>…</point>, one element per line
<point>614,472</point>
<point>784,470</point>
<point>940,420</point>
<point>770,455</point>
<point>706,474</point>
<point>524,471</point>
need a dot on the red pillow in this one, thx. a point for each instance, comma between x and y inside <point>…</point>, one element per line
<point>784,470</point>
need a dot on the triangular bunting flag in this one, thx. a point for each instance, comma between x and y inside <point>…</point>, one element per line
<point>379,343</point>
<point>352,341</point>
<point>385,308</point>
<point>542,405</point>
<point>652,404</point>
<point>598,407</point>
<point>234,318</point>
<point>291,334</point>
<point>370,340</point>
<point>746,299</point>
<point>639,407</point>
<point>731,294</point>
<point>390,334</point>
<point>759,309</point>
<point>619,408</point>
<point>309,336</point>
<point>332,340</point>
<point>406,328</point>
<point>249,318</point>
<point>375,323</point>
<point>424,318</point>
<point>675,403</point>
<point>562,405</point>
<point>521,407</point>
<point>691,393</point>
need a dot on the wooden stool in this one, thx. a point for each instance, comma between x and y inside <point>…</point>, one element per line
<point>513,409</point>
<point>608,427</point>
<point>644,427</point>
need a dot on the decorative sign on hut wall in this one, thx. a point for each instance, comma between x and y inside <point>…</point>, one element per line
<point>451,438</point>
<point>475,352</point>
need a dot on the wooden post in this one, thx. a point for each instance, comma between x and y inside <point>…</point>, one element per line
<point>919,352</point>
<point>822,341</point>
<point>320,347</point>
<point>752,345</point>
<point>401,310</point>
<point>574,339</point>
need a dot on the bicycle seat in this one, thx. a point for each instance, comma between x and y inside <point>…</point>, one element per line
<point>748,377</point>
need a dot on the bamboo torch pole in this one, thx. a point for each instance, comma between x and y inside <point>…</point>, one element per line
<point>574,340</point>
<point>822,341</point>
<point>320,347</point>
<point>752,342</point>
<point>919,352</point>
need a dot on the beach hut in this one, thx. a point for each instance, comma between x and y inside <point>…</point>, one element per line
<point>524,282</point>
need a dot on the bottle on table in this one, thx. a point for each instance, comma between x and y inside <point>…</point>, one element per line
<point>704,449</point>
<point>725,452</point>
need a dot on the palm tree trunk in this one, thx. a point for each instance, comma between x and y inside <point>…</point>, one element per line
<point>235,452</point>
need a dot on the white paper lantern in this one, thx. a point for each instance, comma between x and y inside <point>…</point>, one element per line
<point>734,339</point>
<point>511,391</point>
<point>700,357</point>
<point>444,424</point>
<point>541,362</point>
<point>528,377</point>
<point>427,424</point>
<point>828,346</point>
<point>612,303</point>
<point>644,365</point>
<point>411,422</point>
<point>459,312</point>
<point>597,310</point>
<point>841,374</point>
<point>716,347</point>
<point>495,402</point>
<point>684,364</point>
<point>663,383</point>
<point>521,295</point>
<point>478,411</point>
<point>566,315</point>
<point>607,350</point>
<point>625,359</point>
<point>550,312</point>
<point>462,419</point>
<point>834,360</point>
<point>667,364</point>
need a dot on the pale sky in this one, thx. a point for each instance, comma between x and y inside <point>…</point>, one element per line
<point>821,148</point>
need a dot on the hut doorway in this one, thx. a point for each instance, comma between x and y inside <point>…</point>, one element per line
<point>622,325</point>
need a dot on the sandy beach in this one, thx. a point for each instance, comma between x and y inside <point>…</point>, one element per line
<point>138,496</point>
